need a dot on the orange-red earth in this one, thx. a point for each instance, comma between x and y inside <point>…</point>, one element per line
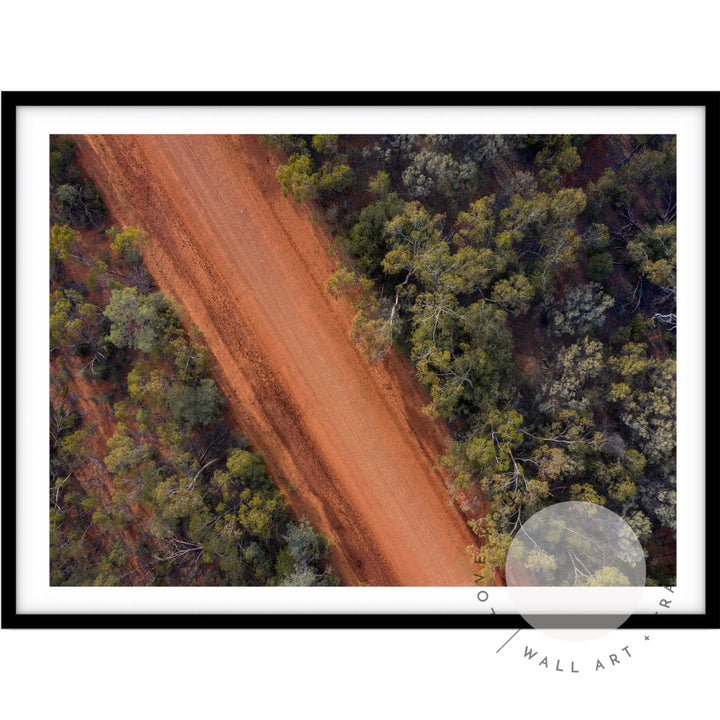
<point>345,440</point>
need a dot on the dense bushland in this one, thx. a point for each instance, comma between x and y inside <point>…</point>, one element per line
<point>531,279</point>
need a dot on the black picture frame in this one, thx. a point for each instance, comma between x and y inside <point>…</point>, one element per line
<point>11,101</point>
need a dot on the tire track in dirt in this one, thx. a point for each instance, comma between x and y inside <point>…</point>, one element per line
<point>344,439</point>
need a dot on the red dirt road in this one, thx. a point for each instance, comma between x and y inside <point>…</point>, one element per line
<point>345,440</point>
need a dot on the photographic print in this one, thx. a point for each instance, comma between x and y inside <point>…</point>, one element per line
<point>323,359</point>
<point>424,361</point>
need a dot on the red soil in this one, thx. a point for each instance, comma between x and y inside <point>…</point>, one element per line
<point>346,440</point>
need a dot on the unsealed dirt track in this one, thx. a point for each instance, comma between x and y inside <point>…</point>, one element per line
<point>346,440</point>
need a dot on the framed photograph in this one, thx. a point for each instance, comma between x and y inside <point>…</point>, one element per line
<point>323,360</point>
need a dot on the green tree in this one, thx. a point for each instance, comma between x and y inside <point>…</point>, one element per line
<point>298,178</point>
<point>488,149</point>
<point>128,243</point>
<point>581,310</point>
<point>547,224</point>
<point>557,158</point>
<point>600,266</point>
<point>78,325</point>
<point>514,294</point>
<point>336,176</point>
<point>366,240</point>
<point>62,160</point>
<point>649,414</point>
<point>437,174</point>
<point>198,404</point>
<point>375,323</point>
<point>379,184</point>
<point>655,171</point>
<point>461,358</point>
<point>138,321</point>
<point>62,239</point>
<point>298,563</point>
<point>654,251</point>
<point>289,144</point>
<point>477,225</point>
<point>572,392</point>
<point>247,466</point>
<point>67,197</point>
<point>325,144</point>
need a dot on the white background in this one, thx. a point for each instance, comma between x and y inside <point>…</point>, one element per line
<point>317,45</point>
